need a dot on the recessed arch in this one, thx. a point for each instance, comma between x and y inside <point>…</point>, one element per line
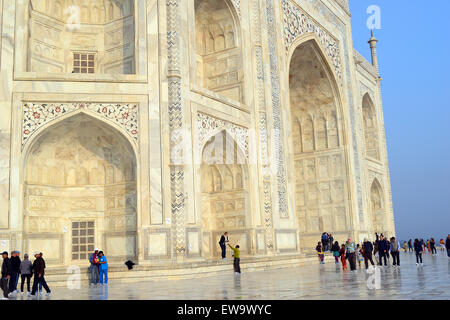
<point>224,183</point>
<point>377,207</point>
<point>218,48</point>
<point>321,187</point>
<point>81,172</point>
<point>371,129</point>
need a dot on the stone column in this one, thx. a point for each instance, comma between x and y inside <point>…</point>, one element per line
<point>261,125</point>
<point>176,121</point>
<point>373,49</point>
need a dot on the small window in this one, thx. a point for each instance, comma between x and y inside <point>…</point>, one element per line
<point>83,63</point>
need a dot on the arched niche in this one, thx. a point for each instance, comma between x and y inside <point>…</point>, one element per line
<point>224,193</point>
<point>218,49</point>
<point>377,208</point>
<point>81,36</point>
<point>80,192</point>
<point>371,130</point>
<point>319,156</point>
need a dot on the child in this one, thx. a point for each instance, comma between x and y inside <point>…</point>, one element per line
<point>359,255</point>
<point>320,253</point>
<point>342,253</point>
<point>103,268</point>
<point>237,259</point>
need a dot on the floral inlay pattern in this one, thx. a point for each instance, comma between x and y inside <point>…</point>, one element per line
<point>208,125</point>
<point>36,115</point>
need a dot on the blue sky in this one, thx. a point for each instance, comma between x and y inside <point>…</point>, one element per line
<point>414,59</point>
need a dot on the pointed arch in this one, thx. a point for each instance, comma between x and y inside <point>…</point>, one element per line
<point>227,205</point>
<point>70,155</point>
<point>218,48</point>
<point>377,207</point>
<point>371,129</point>
<point>315,98</point>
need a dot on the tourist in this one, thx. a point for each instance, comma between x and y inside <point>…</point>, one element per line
<point>94,267</point>
<point>25,273</point>
<point>395,251</point>
<point>103,269</point>
<point>350,248</point>
<point>410,246</point>
<point>335,250</point>
<point>405,246</point>
<point>376,237</point>
<point>433,246</point>
<point>39,271</point>
<point>418,248</point>
<point>359,255</point>
<point>324,240</point>
<point>388,249</point>
<point>6,275</point>
<point>237,259</point>
<point>330,241</point>
<point>367,253</point>
<point>442,243</point>
<point>447,245</point>
<point>320,252</point>
<point>382,250</point>
<point>375,252</point>
<point>343,257</point>
<point>223,245</point>
<point>428,245</point>
<point>15,272</point>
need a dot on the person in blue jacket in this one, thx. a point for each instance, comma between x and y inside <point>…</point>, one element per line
<point>103,268</point>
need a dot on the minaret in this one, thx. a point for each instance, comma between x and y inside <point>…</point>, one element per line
<point>373,50</point>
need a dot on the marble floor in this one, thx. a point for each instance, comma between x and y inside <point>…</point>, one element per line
<point>432,281</point>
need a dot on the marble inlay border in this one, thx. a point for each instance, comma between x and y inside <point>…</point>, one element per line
<point>297,23</point>
<point>276,111</point>
<point>208,126</point>
<point>237,5</point>
<point>36,115</point>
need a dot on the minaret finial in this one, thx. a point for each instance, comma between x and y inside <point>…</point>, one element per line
<point>373,50</point>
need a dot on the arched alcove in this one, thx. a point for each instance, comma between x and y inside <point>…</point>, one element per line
<point>80,192</point>
<point>319,158</point>
<point>371,137</point>
<point>81,36</point>
<point>218,49</point>
<point>224,193</point>
<point>377,208</point>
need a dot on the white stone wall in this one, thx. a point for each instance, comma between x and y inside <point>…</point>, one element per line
<point>173,109</point>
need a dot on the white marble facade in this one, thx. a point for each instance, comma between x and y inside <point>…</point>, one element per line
<point>148,128</point>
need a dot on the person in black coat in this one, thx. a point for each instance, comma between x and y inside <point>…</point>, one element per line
<point>382,250</point>
<point>447,245</point>
<point>418,248</point>
<point>15,271</point>
<point>367,253</point>
<point>6,274</point>
<point>223,244</point>
<point>39,271</point>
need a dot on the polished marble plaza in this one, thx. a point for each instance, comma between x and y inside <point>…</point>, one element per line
<point>432,281</point>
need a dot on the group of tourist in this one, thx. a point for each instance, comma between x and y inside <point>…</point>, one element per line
<point>327,241</point>
<point>98,268</point>
<point>223,242</point>
<point>13,268</point>
<point>381,249</point>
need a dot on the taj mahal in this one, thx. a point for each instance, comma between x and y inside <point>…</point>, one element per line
<point>148,128</point>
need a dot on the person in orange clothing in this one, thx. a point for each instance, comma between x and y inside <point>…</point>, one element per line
<point>343,260</point>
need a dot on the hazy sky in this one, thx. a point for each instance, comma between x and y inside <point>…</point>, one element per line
<point>414,59</point>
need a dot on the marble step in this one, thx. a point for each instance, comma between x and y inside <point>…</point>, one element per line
<point>186,270</point>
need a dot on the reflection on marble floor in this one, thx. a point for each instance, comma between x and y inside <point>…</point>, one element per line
<point>309,282</point>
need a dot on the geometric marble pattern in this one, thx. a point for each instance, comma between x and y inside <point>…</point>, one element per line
<point>297,23</point>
